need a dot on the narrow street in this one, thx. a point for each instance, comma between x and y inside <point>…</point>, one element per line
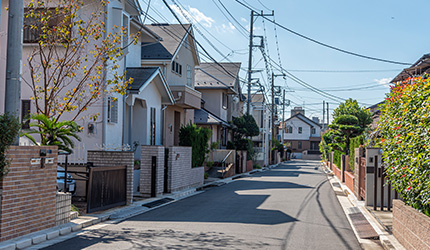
<point>289,207</point>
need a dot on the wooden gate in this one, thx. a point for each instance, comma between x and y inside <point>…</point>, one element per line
<point>362,179</point>
<point>107,188</point>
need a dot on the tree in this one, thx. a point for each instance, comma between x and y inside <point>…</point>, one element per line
<point>72,56</point>
<point>197,138</point>
<point>54,133</point>
<point>349,121</point>
<point>9,129</point>
<point>244,126</point>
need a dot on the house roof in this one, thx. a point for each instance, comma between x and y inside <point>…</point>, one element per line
<point>171,35</point>
<point>419,68</point>
<point>304,119</point>
<point>205,117</point>
<point>222,75</point>
<point>143,76</point>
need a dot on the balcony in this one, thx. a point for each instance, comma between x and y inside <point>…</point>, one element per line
<point>186,97</point>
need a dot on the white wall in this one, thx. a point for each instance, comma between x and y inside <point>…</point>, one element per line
<point>296,123</point>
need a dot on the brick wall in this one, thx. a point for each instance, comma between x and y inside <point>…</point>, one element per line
<point>63,208</point>
<point>349,180</point>
<point>113,159</point>
<point>147,152</point>
<point>249,166</point>
<point>28,193</point>
<point>181,175</point>
<point>336,171</point>
<point>410,227</point>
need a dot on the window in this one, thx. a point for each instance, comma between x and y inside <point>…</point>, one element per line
<point>224,101</point>
<point>314,131</point>
<point>112,107</point>
<point>177,68</point>
<point>189,76</point>
<point>25,114</point>
<point>152,142</point>
<point>33,28</point>
<point>300,145</point>
<point>289,130</point>
<point>300,130</point>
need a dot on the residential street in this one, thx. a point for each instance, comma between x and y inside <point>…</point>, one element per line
<point>289,207</point>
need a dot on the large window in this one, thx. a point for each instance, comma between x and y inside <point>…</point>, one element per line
<point>34,30</point>
<point>288,129</point>
<point>300,130</point>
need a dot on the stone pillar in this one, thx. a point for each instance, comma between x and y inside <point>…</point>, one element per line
<point>147,154</point>
<point>358,152</point>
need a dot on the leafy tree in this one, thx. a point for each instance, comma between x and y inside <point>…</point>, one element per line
<point>9,129</point>
<point>54,133</point>
<point>72,56</point>
<point>404,127</point>
<point>244,126</point>
<point>197,138</point>
<point>349,121</point>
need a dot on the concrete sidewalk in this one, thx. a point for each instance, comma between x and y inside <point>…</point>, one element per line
<point>98,220</point>
<point>351,205</point>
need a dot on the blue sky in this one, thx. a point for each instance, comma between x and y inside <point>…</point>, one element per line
<point>393,30</point>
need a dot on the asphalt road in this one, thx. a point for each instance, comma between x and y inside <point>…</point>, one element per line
<point>289,207</point>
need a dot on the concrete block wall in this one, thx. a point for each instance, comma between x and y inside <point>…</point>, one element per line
<point>113,159</point>
<point>410,227</point>
<point>28,201</point>
<point>147,152</point>
<point>181,175</point>
<point>63,208</point>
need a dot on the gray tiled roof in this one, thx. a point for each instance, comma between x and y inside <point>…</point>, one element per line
<point>140,76</point>
<point>203,116</point>
<point>171,34</point>
<point>211,75</point>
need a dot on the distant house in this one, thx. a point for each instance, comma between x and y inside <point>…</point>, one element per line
<point>219,85</point>
<point>301,133</point>
<point>174,51</point>
<point>419,68</point>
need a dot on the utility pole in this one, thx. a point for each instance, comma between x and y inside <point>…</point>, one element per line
<point>283,117</point>
<point>323,120</point>
<point>273,104</point>
<point>251,45</point>
<point>14,58</point>
<point>328,116</point>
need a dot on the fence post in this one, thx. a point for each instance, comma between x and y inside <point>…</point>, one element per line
<point>154,176</point>
<point>375,184</point>
<point>382,187</point>
<point>342,168</point>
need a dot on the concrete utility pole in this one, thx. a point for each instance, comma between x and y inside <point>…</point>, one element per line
<point>14,58</point>
<point>251,45</point>
<point>323,120</point>
<point>283,117</point>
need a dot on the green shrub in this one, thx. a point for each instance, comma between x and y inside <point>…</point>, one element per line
<point>209,164</point>
<point>197,138</point>
<point>9,129</point>
<point>337,158</point>
<point>206,175</point>
<point>404,128</point>
<point>355,143</point>
<point>257,166</point>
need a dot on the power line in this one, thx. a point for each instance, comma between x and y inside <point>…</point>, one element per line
<point>343,71</point>
<point>324,44</point>
<point>245,31</point>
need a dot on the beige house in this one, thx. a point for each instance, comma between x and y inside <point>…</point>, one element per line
<point>221,98</point>
<point>174,51</point>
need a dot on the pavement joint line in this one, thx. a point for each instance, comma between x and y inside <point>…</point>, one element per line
<point>387,240</point>
<point>84,224</point>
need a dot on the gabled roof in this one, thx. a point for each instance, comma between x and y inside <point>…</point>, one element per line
<point>205,117</point>
<point>172,36</point>
<point>419,68</point>
<point>222,75</point>
<point>304,119</point>
<point>142,77</point>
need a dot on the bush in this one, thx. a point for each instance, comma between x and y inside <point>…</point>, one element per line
<point>257,166</point>
<point>404,128</point>
<point>9,129</point>
<point>337,158</point>
<point>197,138</point>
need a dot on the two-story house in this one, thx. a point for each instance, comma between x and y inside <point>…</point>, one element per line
<point>301,133</point>
<point>108,129</point>
<point>174,53</point>
<point>219,85</point>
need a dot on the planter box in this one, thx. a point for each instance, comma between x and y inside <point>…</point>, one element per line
<point>410,227</point>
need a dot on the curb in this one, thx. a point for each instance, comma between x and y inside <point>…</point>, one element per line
<point>350,203</point>
<point>81,224</point>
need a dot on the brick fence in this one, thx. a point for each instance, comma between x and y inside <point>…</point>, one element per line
<point>349,180</point>
<point>28,192</point>
<point>113,159</point>
<point>336,171</point>
<point>147,153</point>
<point>181,175</point>
<point>63,208</point>
<point>410,227</point>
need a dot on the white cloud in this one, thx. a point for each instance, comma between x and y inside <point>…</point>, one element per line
<point>384,81</point>
<point>194,15</point>
<point>231,26</point>
<point>244,20</point>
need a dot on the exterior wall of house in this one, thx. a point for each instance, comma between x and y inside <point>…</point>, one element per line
<point>169,124</point>
<point>213,102</point>
<point>184,57</point>
<point>295,123</point>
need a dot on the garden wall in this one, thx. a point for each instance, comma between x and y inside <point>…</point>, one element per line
<point>113,159</point>
<point>349,180</point>
<point>147,153</point>
<point>28,201</point>
<point>337,171</point>
<point>410,227</point>
<point>181,175</point>
<point>63,208</point>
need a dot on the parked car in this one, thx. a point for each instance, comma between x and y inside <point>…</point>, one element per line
<point>71,183</point>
